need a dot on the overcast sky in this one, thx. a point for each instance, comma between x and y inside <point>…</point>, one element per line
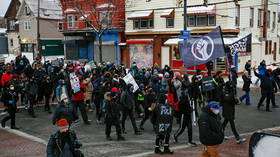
<point>4,4</point>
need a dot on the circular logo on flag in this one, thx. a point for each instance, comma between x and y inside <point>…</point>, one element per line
<point>202,49</point>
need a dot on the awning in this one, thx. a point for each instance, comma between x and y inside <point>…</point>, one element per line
<point>105,5</point>
<point>69,10</point>
<point>139,41</point>
<point>202,10</point>
<point>173,41</point>
<point>141,14</point>
<point>167,13</point>
<point>122,44</point>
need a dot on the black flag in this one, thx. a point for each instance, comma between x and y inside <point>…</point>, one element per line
<point>242,45</point>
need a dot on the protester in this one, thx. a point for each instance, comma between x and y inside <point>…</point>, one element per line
<point>211,132</point>
<point>246,88</point>
<point>64,142</point>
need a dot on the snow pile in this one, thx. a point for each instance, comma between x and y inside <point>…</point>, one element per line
<point>268,146</point>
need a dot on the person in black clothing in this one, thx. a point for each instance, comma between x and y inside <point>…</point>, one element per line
<point>248,67</point>
<point>112,115</point>
<point>47,87</point>
<point>149,99</point>
<point>163,115</point>
<point>31,91</point>
<point>218,84</point>
<point>185,110</point>
<point>10,98</point>
<point>233,78</point>
<point>127,101</point>
<point>246,88</point>
<point>64,142</point>
<point>268,86</point>
<point>64,110</point>
<point>194,92</point>
<point>228,103</point>
<point>211,132</point>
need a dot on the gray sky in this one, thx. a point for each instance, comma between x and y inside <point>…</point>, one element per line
<point>4,4</point>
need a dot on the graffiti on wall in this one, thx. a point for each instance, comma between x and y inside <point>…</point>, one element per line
<point>142,54</point>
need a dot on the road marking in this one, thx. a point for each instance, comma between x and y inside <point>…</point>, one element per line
<point>188,146</point>
<point>25,135</point>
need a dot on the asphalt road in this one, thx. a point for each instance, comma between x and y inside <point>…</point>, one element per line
<point>248,119</point>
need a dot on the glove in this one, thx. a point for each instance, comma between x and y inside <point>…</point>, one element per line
<point>10,102</point>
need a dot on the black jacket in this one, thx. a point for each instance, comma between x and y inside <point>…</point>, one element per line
<point>55,144</point>
<point>63,111</point>
<point>9,98</point>
<point>267,82</point>
<point>184,107</point>
<point>210,128</point>
<point>112,111</point>
<point>128,100</point>
<point>228,102</point>
<point>247,82</point>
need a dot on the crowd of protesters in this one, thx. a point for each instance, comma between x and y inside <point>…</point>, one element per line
<point>162,95</point>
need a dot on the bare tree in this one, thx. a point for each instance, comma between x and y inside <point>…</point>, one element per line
<point>99,15</point>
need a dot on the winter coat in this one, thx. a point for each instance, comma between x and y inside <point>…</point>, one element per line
<point>89,89</point>
<point>55,148</point>
<point>164,84</point>
<point>178,86</point>
<point>234,77</point>
<point>6,77</point>
<point>247,82</point>
<point>228,102</point>
<point>128,100</point>
<point>112,111</point>
<point>262,69</point>
<point>80,95</point>
<point>9,98</point>
<point>64,111</point>
<point>194,90</point>
<point>185,107</point>
<point>31,89</point>
<point>210,128</point>
<point>267,82</point>
<point>163,118</point>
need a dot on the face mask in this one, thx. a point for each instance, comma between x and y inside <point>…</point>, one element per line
<point>216,112</point>
<point>131,89</point>
<point>12,88</point>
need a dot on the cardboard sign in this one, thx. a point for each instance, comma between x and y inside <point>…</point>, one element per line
<point>128,79</point>
<point>75,82</point>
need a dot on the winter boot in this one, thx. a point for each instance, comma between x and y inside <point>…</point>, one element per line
<point>157,150</point>
<point>167,150</point>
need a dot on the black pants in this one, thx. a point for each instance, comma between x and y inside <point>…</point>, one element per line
<point>267,96</point>
<point>108,129</point>
<point>232,125</point>
<point>97,102</point>
<point>273,99</point>
<point>146,116</point>
<point>47,102</point>
<point>82,108</point>
<point>195,106</point>
<point>12,116</point>
<point>162,137</point>
<point>185,122</point>
<point>32,102</point>
<point>130,114</point>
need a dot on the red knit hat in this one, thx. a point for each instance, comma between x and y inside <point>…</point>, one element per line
<point>62,124</point>
<point>115,89</point>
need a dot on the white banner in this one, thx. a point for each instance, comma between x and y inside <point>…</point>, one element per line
<point>128,79</point>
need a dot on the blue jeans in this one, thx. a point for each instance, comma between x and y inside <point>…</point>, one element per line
<point>245,96</point>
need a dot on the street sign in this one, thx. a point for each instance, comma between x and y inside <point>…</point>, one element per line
<point>184,37</point>
<point>185,34</point>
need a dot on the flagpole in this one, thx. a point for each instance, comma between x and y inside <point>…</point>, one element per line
<point>227,59</point>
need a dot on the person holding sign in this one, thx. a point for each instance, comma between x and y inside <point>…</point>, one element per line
<point>163,116</point>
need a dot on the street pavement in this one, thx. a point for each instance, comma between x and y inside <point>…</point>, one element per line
<point>248,119</point>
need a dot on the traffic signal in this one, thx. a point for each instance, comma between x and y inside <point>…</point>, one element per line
<point>205,3</point>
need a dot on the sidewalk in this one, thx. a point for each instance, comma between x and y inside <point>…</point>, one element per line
<point>12,145</point>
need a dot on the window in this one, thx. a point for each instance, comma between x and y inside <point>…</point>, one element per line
<point>211,20</point>
<point>259,18</point>
<point>27,11</point>
<point>27,25</point>
<point>72,21</point>
<point>237,15</point>
<point>266,47</point>
<point>106,18</point>
<point>11,42</point>
<point>251,17</point>
<point>27,47</point>
<point>201,20</point>
<point>60,26</point>
<point>268,19</point>
<point>274,20</point>
<point>12,25</point>
<point>270,46</point>
<point>169,22</point>
<point>143,23</point>
<point>191,21</point>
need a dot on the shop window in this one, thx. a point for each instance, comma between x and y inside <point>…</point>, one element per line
<point>143,23</point>
<point>170,22</point>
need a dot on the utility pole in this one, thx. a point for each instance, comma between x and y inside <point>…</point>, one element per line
<point>265,8</point>
<point>185,15</point>
<point>38,29</point>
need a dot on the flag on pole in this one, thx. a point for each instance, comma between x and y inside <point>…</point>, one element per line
<point>197,51</point>
<point>242,45</point>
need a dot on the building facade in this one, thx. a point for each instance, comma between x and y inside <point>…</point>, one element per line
<point>152,29</point>
<point>13,27</point>
<point>48,33</point>
<point>87,21</point>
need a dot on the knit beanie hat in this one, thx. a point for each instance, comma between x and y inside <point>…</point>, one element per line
<point>215,105</point>
<point>62,124</point>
